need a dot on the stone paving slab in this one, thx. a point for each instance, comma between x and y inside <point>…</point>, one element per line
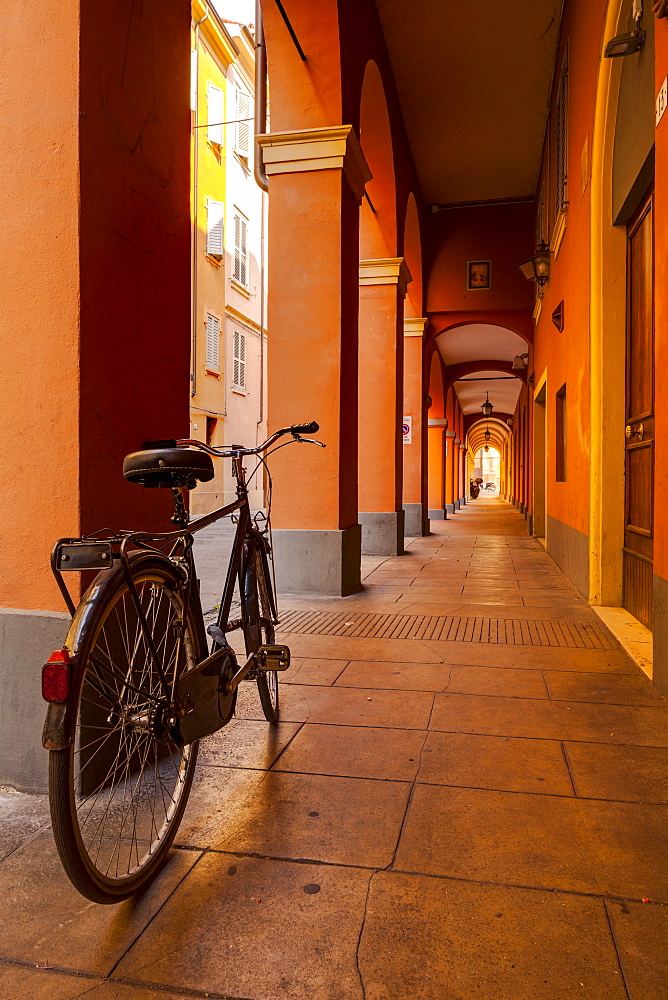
<point>355,752</point>
<point>344,821</point>
<point>627,773</point>
<point>249,927</point>
<point>431,939</point>
<point>555,720</point>
<point>577,845</point>
<point>641,935</point>
<point>51,924</point>
<point>497,762</point>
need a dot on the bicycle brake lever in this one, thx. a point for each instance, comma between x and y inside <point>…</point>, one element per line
<point>302,440</point>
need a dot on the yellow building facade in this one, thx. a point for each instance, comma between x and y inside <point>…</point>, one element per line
<point>228,287</point>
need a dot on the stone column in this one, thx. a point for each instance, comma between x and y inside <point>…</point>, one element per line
<point>316,183</point>
<point>462,460</point>
<point>382,291</point>
<point>450,473</point>
<point>416,512</point>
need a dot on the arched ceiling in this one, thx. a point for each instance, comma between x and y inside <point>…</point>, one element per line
<point>503,393</point>
<point>479,342</point>
<point>474,82</point>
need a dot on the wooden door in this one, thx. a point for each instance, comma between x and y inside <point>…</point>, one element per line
<point>639,499</point>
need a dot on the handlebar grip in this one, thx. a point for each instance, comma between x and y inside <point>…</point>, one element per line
<point>311,428</point>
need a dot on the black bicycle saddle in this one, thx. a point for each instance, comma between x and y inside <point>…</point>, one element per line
<point>168,467</point>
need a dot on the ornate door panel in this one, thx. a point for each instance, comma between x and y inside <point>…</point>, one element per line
<point>639,503</point>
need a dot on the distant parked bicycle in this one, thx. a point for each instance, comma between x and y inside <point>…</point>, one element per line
<point>488,487</point>
<point>135,685</point>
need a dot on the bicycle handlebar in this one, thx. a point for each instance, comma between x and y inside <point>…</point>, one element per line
<point>235,451</point>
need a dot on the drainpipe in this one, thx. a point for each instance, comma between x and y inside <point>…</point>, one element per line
<point>193,332</point>
<point>259,171</point>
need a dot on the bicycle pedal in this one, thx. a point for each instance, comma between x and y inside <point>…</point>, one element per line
<point>273,657</point>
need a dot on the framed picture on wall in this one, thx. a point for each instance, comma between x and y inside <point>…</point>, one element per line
<point>478,275</point>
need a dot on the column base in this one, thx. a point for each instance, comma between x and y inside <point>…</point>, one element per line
<point>318,562</point>
<point>382,533</point>
<point>438,514</point>
<point>416,525</point>
<point>26,640</point>
<point>449,508</point>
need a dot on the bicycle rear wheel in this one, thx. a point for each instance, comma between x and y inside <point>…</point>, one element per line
<point>118,793</point>
<point>257,624</point>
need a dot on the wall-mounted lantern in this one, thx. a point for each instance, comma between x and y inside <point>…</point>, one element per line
<point>627,45</point>
<point>520,362</point>
<point>537,268</point>
<point>510,421</point>
<point>487,407</point>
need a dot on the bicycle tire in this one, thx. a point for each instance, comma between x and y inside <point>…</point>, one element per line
<point>257,627</point>
<point>113,829</point>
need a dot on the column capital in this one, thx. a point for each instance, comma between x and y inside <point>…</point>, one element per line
<point>332,148</point>
<point>437,422</point>
<point>450,434</point>
<point>415,326</point>
<point>386,271</point>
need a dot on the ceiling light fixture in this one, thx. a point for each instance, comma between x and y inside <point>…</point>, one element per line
<point>487,434</point>
<point>487,407</point>
<point>537,268</point>
<point>520,361</point>
<point>630,43</point>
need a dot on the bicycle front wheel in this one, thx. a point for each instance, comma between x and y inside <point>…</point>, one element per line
<point>257,624</point>
<point>117,794</point>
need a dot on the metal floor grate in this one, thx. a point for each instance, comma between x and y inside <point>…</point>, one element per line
<point>506,631</point>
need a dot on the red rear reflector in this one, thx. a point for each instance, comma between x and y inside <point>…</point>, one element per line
<point>56,676</point>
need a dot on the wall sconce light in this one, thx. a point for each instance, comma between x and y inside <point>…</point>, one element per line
<point>537,268</point>
<point>627,45</point>
<point>487,407</point>
<point>510,421</point>
<point>520,361</point>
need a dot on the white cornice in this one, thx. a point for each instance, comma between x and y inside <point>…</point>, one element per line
<point>415,326</point>
<point>386,271</point>
<point>335,148</point>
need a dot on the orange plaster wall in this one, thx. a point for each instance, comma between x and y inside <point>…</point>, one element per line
<point>566,354</point>
<point>661,315</point>
<point>39,292</point>
<point>502,234</point>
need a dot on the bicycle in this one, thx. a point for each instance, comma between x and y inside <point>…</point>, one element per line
<point>135,685</point>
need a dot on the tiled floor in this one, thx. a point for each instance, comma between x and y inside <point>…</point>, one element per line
<point>433,820</point>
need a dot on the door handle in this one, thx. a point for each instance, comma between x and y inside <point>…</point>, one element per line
<point>640,431</point>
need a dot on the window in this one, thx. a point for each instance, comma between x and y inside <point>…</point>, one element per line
<point>239,361</point>
<point>212,342</point>
<point>210,430</point>
<point>215,114</point>
<point>240,250</point>
<point>561,142</point>
<point>560,424</point>
<point>243,130</point>
<point>214,227</point>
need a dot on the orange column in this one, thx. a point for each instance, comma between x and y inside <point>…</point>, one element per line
<point>436,478</point>
<point>450,473</point>
<point>316,181</point>
<point>95,302</point>
<point>382,291</point>
<point>416,517</point>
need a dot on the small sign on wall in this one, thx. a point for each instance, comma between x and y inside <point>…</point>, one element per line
<point>407,429</point>
<point>662,100</point>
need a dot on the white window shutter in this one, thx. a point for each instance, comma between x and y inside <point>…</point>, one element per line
<point>239,360</point>
<point>212,342</point>
<point>193,79</point>
<point>214,227</point>
<point>240,250</point>
<point>243,125</point>
<point>215,113</point>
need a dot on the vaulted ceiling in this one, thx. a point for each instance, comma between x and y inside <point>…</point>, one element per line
<point>474,81</point>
